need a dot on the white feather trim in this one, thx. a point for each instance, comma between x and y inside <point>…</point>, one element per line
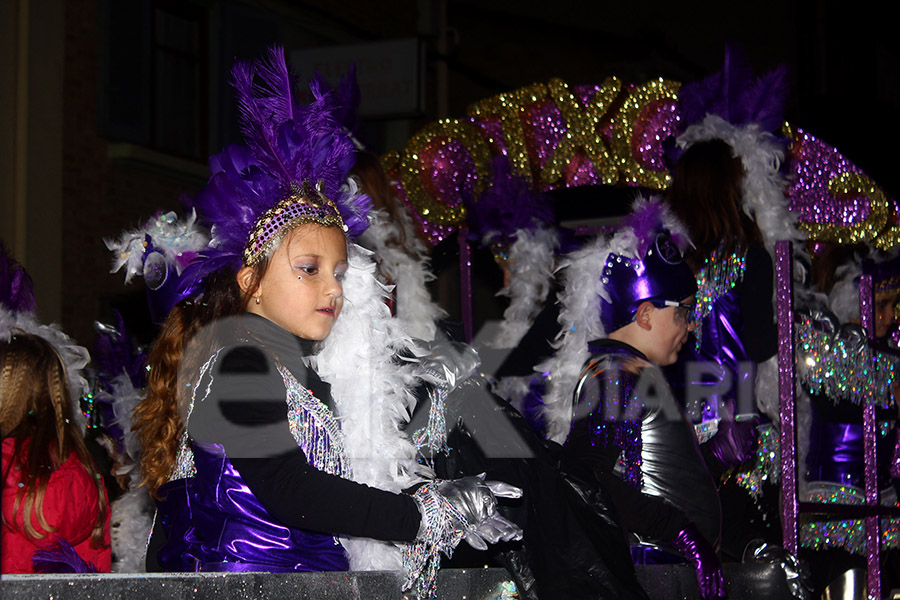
<point>531,261</point>
<point>129,530</point>
<point>408,269</point>
<point>767,396</point>
<point>75,358</point>
<point>580,321</point>
<point>169,235</point>
<point>763,185</point>
<point>843,300</point>
<point>373,399</point>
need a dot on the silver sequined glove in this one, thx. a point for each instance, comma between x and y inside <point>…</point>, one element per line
<point>449,364</point>
<point>476,501</point>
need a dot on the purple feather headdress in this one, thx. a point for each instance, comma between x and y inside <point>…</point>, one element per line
<point>506,206</point>
<point>291,169</point>
<point>747,113</point>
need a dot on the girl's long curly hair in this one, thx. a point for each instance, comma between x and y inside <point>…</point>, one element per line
<point>706,195</point>
<point>158,418</point>
<point>36,410</point>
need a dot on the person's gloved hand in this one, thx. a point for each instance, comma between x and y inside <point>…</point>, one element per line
<point>476,501</point>
<point>735,441</point>
<point>707,567</point>
<point>449,364</point>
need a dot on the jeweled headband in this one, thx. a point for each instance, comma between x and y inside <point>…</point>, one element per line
<point>304,205</point>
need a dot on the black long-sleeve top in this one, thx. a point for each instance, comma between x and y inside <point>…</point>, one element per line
<point>246,413</point>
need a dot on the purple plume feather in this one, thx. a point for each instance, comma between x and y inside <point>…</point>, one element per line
<point>16,288</point>
<point>60,558</point>
<point>506,205</point>
<point>286,145</point>
<point>646,221</point>
<point>736,95</point>
<point>115,353</point>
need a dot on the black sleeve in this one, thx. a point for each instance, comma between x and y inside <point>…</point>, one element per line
<point>588,457</point>
<point>301,496</point>
<point>760,332</point>
<point>535,345</point>
<point>246,413</point>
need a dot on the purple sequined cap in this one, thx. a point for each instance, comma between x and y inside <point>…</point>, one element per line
<point>661,275</point>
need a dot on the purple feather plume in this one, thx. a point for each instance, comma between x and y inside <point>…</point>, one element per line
<point>736,95</point>
<point>646,221</point>
<point>286,144</point>
<point>60,558</point>
<point>16,288</point>
<point>115,353</point>
<point>507,205</point>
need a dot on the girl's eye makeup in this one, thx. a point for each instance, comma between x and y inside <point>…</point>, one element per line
<point>340,274</point>
<point>307,269</point>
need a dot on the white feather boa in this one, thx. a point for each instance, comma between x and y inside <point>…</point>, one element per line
<point>373,398</point>
<point>132,513</point>
<point>75,358</point>
<point>531,261</point>
<point>409,273</point>
<point>580,316</point>
<point>763,186</point>
<point>170,236</point>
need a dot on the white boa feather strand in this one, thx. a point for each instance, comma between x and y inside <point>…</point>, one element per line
<point>763,185</point>
<point>409,273</point>
<point>130,524</point>
<point>372,396</point>
<point>531,261</point>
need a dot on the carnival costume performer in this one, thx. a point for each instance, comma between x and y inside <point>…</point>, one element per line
<point>55,508</point>
<point>627,308</point>
<point>258,471</point>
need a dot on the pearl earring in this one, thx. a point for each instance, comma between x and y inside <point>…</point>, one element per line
<point>257,299</point>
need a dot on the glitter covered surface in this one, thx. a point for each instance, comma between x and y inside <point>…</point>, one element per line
<point>847,534</point>
<point>753,581</point>
<point>457,584</point>
<point>556,135</point>
<point>840,367</point>
<point>765,466</point>
<point>718,275</point>
<point>784,304</point>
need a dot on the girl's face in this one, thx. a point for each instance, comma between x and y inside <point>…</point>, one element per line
<point>301,288</point>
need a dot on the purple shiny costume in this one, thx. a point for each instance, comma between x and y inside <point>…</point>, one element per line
<point>214,522</point>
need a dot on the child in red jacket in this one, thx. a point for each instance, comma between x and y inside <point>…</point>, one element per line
<point>54,500</point>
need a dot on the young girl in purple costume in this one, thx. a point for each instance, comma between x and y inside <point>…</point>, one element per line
<point>252,472</point>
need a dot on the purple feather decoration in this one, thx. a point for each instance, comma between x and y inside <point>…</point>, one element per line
<point>286,145</point>
<point>736,95</point>
<point>115,353</point>
<point>60,558</point>
<point>506,206</point>
<point>645,222</point>
<point>16,288</point>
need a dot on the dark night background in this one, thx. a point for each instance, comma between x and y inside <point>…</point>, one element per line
<point>108,108</point>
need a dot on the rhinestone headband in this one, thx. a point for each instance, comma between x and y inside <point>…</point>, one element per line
<point>302,206</point>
